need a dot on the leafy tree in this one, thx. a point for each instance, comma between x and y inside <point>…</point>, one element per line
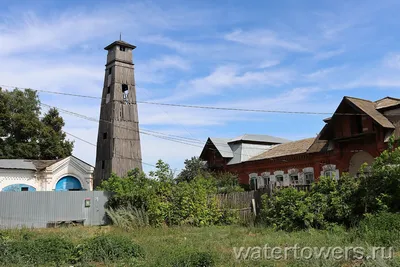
<point>23,134</point>
<point>52,141</point>
<point>380,188</point>
<point>193,168</point>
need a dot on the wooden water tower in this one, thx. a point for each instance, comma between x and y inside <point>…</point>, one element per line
<point>118,141</point>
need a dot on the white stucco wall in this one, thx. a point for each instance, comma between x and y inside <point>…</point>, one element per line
<point>47,179</point>
<point>10,177</point>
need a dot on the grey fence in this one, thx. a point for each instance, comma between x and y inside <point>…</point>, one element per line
<point>49,209</point>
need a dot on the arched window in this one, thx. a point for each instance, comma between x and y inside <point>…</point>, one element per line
<point>18,188</point>
<point>68,183</point>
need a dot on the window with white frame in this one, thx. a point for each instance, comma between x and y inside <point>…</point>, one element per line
<point>265,177</point>
<point>309,177</point>
<point>330,173</point>
<point>279,178</point>
<point>253,183</point>
<point>294,178</point>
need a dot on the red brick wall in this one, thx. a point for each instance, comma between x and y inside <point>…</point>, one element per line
<point>340,156</point>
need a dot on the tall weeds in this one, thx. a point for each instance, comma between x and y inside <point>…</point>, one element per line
<point>128,217</point>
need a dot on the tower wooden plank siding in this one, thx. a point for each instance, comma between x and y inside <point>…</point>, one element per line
<point>118,142</point>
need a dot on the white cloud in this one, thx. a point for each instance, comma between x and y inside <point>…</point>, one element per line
<point>230,77</point>
<point>328,54</point>
<point>269,63</point>
<point>264,38</point>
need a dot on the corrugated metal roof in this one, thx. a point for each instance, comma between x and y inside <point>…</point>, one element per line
<point>222,145</point>
<point>369,108</point>
<point>18,164</point>
<point>287,149</point>
<point>259,138</point>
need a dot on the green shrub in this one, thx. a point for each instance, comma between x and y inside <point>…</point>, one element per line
<point>47,251</point>
<point>285,209</point>
<point>196,259</point>
<point>109,248</point>
<point>381,229</point>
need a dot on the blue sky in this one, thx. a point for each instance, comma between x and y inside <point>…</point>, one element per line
<point>277,55</point>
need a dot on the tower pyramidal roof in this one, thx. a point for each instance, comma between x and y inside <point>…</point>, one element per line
<point>119,42</point>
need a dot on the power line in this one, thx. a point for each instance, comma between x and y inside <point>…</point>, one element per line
<point>122,127</point>
<point>177,139</point>
<point>90,143</point>
<point>198,106</point>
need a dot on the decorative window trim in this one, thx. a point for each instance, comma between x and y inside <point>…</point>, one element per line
<point>328,167</point>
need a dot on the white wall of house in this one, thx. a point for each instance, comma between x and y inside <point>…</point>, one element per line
<point>10,177</point>
<point>47,179</point>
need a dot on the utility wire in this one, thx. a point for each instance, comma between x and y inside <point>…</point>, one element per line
<point>199,144</point>
<point>120,126</point>
<point>90,143</point>
<point>198,106</point>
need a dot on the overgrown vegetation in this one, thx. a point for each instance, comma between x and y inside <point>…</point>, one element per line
<point>187,246</point>
<point>345,201</point>
<point>27,249</point>
<point>163,200</point>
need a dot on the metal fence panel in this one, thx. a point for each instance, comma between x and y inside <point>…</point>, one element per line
<point>39,209</point>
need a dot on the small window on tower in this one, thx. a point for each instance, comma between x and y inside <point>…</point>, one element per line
<point>122,48</point>
<point>109,70</point>
<point>105,135</point>
<point>102,164</point>
<point>108,90</point>
<point>125,92</point>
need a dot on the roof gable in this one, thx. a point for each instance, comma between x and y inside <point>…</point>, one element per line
<point>368,108</point>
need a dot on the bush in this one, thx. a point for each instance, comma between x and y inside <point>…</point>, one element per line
<point>381,229</point>
<point>109,248</point>
<point>196,259</point>
<point>41,251</point>
<point>285,209</point>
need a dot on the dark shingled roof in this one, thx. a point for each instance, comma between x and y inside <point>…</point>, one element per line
<point>286,149</point>
<point>119,42</point>
<point>369,108</point>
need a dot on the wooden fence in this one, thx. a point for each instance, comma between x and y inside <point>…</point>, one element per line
<point>249,203</point>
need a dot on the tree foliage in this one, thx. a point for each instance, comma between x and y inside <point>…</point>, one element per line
<point>345,201</point>
<point>23,134</point>
<point>166,201</point>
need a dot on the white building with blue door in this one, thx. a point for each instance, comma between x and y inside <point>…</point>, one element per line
<point>67,174</point>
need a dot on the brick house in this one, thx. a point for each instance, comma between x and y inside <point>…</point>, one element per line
<point>358,131</point>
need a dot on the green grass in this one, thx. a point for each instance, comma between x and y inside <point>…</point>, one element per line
<point>181,246</point>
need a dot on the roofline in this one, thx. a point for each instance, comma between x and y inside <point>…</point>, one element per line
<point>119,42</point>
<point>358,98</point>
<point>79,160</point>
<point>394,98</point>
